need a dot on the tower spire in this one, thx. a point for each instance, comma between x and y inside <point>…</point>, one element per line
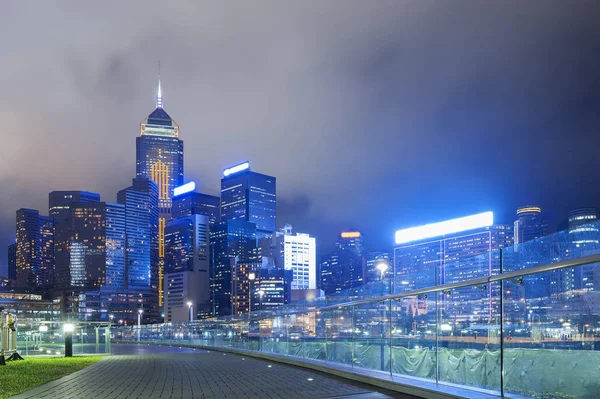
<point>159,100</point>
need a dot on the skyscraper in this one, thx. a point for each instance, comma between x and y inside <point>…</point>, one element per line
<point>233,256</point>
<point>94,247</point>
<point>584,234</point>
<point>298,253</point>
<point>59,202</point>
<point>345,267</point>
<point>445,253</point>
<point>249,196</point>
<point>12,261</point>
<point>432,258</point>
<point>141,257</point>
<point>188,202</point>
<point>34,255</point>
<point>187,265</point>
<point>530,224</point>
<point>159,156</point>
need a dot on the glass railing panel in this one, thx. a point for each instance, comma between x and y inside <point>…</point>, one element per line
<point>297,333</point>
<point>371,336</point>
<point>338,324</point>
<point>469,336</point>
<point>277,342</point>
<point>315,346</point>
<point>568,244</point>
<point>552,336</point>
<point>413,336</point>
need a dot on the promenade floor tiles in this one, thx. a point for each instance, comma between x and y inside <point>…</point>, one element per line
<point>144,372</point>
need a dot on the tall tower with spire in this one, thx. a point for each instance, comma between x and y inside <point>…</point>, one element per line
<point>159,156</point>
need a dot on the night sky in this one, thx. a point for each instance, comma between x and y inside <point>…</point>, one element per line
<point>375,115</point>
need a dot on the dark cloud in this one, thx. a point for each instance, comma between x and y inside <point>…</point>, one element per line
<point>372,115</point>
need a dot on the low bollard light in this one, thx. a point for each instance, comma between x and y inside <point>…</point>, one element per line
<point>68,329</point>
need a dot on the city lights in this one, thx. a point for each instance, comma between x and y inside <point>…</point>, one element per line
<point>444,228</point>
<point>350,234</point>
<point>186,188</point>
<point>236,168</point>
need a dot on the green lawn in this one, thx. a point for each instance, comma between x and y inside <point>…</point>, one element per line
<point>21,375</point>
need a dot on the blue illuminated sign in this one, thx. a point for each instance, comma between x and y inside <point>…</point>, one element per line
<point>444,228</point>
<point>236,169</point>
<point>186,188</point>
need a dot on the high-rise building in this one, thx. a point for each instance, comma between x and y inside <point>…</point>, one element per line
<point>445,253</point>
<point>188,202</point>
<point>159,156</point>
<point>298,253</point>
<point>96,274</point>
<point>584,234</point>
<point>249,196</point>
<point>12,261</point>
<point>270,288</point>
<point>187,268</point>
<point>141,231</point>
<point>34,255</point>
<point>345,267</point>
<point>234,256</point>
<point>530,224</point>
<point>59,202</point>
<point>98,245</point>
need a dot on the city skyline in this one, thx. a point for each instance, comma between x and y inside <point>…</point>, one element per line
<point>399,119</point>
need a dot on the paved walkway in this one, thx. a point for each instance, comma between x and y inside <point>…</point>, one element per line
<point>147,372</point>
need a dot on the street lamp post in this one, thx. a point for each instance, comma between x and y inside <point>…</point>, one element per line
<point>139,326</point>
<point>382,267</point>
<point>191,310</point>
<point>251,278</point>
<point>260,295</point>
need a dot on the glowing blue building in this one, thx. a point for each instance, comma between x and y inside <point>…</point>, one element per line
<point>159,156</point>
<point>249,196</point>
<point>141,225</point>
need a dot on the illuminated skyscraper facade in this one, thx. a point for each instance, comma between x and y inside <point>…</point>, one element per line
<point>447,252</point>
<point>187,265</point>
<point>34,254</point>
<point>193,203</point>
<point>234,255</point>
<point>298,253</point>
<point>97,245</point>
<point>345,267</point>
<point>530,224</point>
<point>249,196</point>
<point>59,202</point>
<point>585,240</point>
<point>141,258</point>
<point>12,261</point>
<point>159,156</point>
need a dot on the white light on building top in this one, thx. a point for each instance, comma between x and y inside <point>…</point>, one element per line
<point>445,228</point>
<point>186,188</point>
<point>236,169</point>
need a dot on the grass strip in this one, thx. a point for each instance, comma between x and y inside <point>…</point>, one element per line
<point>21,375</point>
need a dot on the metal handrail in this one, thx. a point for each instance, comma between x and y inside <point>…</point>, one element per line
<point>586,260</point>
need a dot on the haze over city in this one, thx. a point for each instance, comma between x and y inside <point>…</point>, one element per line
<point>373,117</point>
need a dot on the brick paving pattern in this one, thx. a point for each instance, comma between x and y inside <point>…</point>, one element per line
<point>149,372</point>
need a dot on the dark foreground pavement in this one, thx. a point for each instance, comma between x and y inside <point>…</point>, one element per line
<point>147,372</point>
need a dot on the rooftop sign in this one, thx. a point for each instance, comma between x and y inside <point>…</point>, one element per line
<point>444,228</point>
<point>236,169</point>
<point>186,188</point>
